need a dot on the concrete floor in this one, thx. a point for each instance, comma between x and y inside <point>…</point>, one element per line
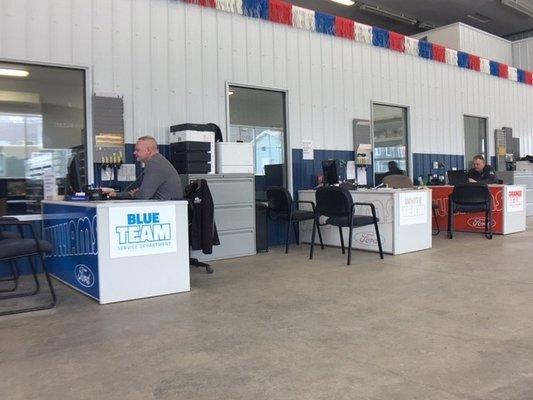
<point>454,322</point>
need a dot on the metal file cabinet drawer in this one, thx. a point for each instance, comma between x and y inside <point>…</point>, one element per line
<point>232,190</point>
<point>234,217</point>
<point>232,244</point>
<point>234,201</point>
<point>524,180</point>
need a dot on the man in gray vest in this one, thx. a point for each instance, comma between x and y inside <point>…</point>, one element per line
<point>161,180</point>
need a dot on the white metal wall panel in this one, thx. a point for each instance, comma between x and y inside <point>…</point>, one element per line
<point>293,86</point>
<point>122,60</point>
<point>523,54</point>
<point>209,69</point>
<point>325,138</point>
<point>38,41</point>
<point>193,59</point>
<point>159,70</point>
<point>171,60</point>
<point>267,53</point>
<point>60,25</point>
<point>141,73</point>
<point>81,31</point>
<point>317,88</point>
<point>280,44</point>
<point>14,27</point>
<point>447,36</point>
<point>102,46</point>
<point>238,40</point>
<point>484,44</point>
<point>177,67</point>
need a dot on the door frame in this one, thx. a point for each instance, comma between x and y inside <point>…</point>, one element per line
<point>288,149</point>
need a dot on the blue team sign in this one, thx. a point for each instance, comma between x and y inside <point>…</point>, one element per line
<point>142,230</point>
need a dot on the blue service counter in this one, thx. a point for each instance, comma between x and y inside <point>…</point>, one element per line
<point>118,250</point>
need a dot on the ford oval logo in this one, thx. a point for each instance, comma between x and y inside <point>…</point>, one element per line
<point>84,275</point>
<point>368,239</point>
<point>478,222</point>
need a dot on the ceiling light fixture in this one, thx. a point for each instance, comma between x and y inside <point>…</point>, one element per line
<point>230,93</point>
<point>389,14</point>
<point>14,72</point>
<point>520,6</point>
<point>345,2</point>
<point>479,18</point>
<point>426,25</point>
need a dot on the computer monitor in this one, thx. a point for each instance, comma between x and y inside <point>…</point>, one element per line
<point>330,169</point>
<point>457,177</point>
<point>73,182</point>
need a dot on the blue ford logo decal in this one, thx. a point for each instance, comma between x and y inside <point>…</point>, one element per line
<point>84,275</point>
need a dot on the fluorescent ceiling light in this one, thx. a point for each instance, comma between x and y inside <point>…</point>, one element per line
<point>426,25</point>
<point>345,2</point>
<point>14,72</point>
<point>389,14</point>
<point>230,93</point>
<point>522,6</point>
<point>479,17</point>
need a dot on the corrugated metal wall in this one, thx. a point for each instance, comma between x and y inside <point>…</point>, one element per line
<point>523,54</point>
<point>484,44</point>
<point>170,61</point>
<point>447,36</point>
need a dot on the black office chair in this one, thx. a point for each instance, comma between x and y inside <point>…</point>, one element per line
<point>470,198</point>
<point>14,246</point>
<point>434,208</point>
<point>337,205</point>
<point>281,206</point>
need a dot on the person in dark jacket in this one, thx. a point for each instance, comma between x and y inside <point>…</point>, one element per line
<point>481,172</point>
<point>394,169</point>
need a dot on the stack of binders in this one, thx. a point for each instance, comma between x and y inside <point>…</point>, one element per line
<point>191,157</point>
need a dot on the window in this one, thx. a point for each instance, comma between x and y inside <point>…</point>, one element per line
<point>475,139</point>
<point>390,139</point>
<point>258,116</point>
<point>42,122</point>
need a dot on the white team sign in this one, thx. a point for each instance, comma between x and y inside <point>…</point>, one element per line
<point>413,208</point>
<point>142,230</point>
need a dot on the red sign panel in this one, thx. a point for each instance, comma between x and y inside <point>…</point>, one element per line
<point>468,222</point>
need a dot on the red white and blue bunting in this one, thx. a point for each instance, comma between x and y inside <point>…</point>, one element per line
<point>281,12</point>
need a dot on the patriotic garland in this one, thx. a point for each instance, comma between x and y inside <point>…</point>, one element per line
<point>282,12</point>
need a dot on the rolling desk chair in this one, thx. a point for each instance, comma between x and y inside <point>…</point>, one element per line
<point>338,206</point>
<point>470,198</point>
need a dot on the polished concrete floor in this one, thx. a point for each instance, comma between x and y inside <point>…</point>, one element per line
<point>454,322</point>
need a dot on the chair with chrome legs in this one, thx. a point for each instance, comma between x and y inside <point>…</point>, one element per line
<point>337,205</point>
<point>13,246</point>
<point>281,206</point>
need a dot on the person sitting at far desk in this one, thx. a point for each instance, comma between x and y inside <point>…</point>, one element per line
<point>393,169</point>
<point>481,172</point>
<point>161,180</point>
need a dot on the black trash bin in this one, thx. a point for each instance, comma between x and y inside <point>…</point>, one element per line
<point>261,227</point>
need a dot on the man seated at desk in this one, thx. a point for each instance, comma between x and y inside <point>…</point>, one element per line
<point>481,172</point>
<point>160,179</point>
<point>393,169</point>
